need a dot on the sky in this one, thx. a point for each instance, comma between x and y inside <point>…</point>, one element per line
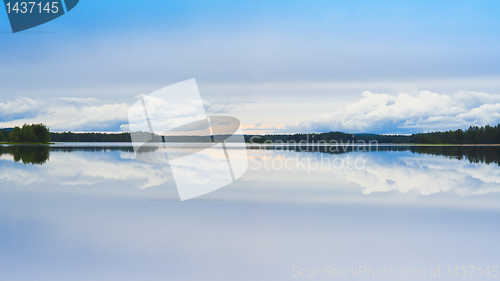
<point>279,67</point>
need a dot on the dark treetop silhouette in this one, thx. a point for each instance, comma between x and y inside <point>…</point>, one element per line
<point>38,133</point>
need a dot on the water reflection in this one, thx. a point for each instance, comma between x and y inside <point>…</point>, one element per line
<point>394,172</point>
<point>474,154</point>
<point>85,165</point>
<point>36,155</point>
<point>92,213</point>
<point>426,170</point>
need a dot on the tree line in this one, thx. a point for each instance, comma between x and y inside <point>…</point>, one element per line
<point>35,133</point>
<point>89,137</point>
<point>473,135</point>
<point>328,137</point>
<point>39,133</point>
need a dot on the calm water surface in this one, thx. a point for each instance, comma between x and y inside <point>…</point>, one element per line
<point>93,212</point>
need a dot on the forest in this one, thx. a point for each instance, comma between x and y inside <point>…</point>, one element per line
<point>89,137</point>
<point>39,133</point>
<point>473,135</point>
<point>35,133</point>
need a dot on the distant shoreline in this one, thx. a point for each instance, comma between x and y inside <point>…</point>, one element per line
<point>254,144</point>
<point>474,136</point>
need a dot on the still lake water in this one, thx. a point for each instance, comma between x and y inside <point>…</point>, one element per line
<point>93,212</point>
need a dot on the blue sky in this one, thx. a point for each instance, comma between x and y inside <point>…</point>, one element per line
<point>279,67</point>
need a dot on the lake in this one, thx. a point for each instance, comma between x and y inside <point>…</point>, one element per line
<point>93,212</point>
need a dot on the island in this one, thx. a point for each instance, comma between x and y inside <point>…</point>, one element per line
<point>27,134</point>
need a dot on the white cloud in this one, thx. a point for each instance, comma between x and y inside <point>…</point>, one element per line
<point>427,175</point>
<point>373,113</point>
<point>219,108</point>
<point>89,169</point>
<point>87,114</point>
<point>390,177</point>
<point>65,114</point>
<point>427,111</point>
<point>104,117</point>
<point>78,102</point>
<point>20,108</point>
